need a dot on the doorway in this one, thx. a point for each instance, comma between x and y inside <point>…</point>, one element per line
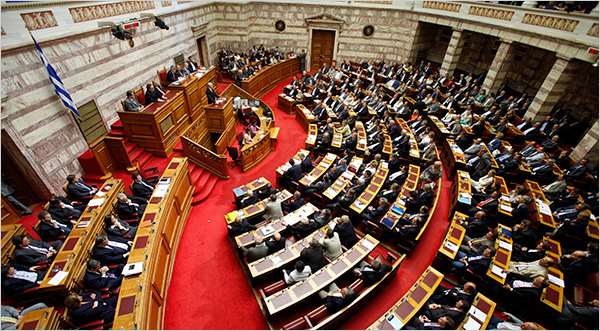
<point>202,50</point>
<point>322,48</point>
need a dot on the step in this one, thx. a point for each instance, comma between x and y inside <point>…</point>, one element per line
<point>178,147</point>
<point>136,154</point>
<point>130,148</point>
<point>117,125</point>
<point>93,178</point>
<point>191,166</point>
<point>145,159</point>
<point>208,187</point>
<point>117,133</point>
<point>196,175</point>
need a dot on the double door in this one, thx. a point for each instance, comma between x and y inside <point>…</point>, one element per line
<point>322,48</point>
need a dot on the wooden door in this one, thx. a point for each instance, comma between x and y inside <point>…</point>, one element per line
<point>322,48</point>
<point>201,42</point>
<point>18,181</point>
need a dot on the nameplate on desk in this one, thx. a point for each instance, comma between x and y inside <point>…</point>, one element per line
<point>58,277</point>
<point>127,305</point>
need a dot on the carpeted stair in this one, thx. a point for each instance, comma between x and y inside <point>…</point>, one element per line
<point>138,154</point>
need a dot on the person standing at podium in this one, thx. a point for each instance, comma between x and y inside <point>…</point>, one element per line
<point>211,94</point>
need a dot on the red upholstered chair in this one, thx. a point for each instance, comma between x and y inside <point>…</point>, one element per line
<point>36,229</point>
<point>271,289</point>
<point>301,323</point>
<point>317,315</point>
<point>162,76</point>
<point>140,96</point>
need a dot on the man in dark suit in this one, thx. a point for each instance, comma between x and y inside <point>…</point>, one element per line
<point>50,228</point>
<point>571,314</point>
<point>476,263</point>
<point>408,231</point>
<point>152,95</point>
<point>544,170</point>
<point>172,75</point>
<point>519,209</point>
<point>17,278</point>
<point>275,243</point>
<point>488,204</point>
<point>307,164</point>
<point>30,252</point>
<point>573,228</point>
<point>533,131</point>
<point>128,205</point>
<point>529,254</point>
<point>346,231</point>
<point>313,255</point>
<point>293,204</point>
<point>250,199</point>
<point>99,277</point>
<point>318,187</point>
<point>519,287</point>
<point>111,250</point>
<point>61,209</point>
<point>336,298</point>
<point>434,311</point>
<point>193,66</point>
<point>302,228</point>
<point>426,194</point>
<point>371,273</point>
<point>239,226</point>
<point>479,165</point>
<point>294,173</point>
<point>565,199</point>
<point>577,171</point>
<point>450,297</point>
<point>413,203</point>
<point>267,191</point>
<point>211,94</point>
<point>573,267</point>
<point>391,194</point>
<point>78,188</point>
<point>475,226</point>
<point>523,234</point>
<point>141,187</point>
<point>374,214</point>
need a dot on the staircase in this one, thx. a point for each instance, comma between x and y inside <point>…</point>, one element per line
<point>117,130</point>
<point>204,182</point>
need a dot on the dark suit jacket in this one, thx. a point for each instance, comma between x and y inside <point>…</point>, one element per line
<point>490,207</point>
<point>576,172</point>
<point>520,256</point>
<point>30,257</point>
<point>237,229</point>
<point>377,213</point>
<point>171,76</point>
<point>372,277</point>
<point>109,256</point>
<point>478,266</point>
<point>313,257</point>
<point>211,95</point>
<point>573,270</point>
<point>335,304</point>
<point>62,214</point>
<point>307,164</point>
<point>275,245</point>
<point>413,206</point>
<point>126,209</point>
<point>570,314</point>
<point>152,96</point>
<point>292,205</point>
<point>294,172</point>
<point>407,232</point>
<point>347,234</point>
<point>426,197</point>
<point>531,294</point>
<point>519,213</point>
<point>303,230</point>
<point>141,190</point>
<point>444,310</point>
<point>526,238</point>
<point>15,285</point>
<point>78,192</point>
<point>86,313</point>
<point>484,165</point>
<point>453,296</point>
<point>94,280</point>
<point>47,230</point>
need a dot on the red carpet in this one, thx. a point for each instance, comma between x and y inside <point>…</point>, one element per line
<point>208,289</point>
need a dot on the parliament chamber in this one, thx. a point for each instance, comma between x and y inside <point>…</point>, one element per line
<point>394,165</point>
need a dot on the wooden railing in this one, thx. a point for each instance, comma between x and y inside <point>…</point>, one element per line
<point>209,160</point>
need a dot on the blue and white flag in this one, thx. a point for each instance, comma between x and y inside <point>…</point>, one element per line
<point>59,87</point>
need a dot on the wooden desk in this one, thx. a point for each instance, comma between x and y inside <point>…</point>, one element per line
<point>387,144</point>
<point>553,295</point>
<point>142,297</point>
<point>255,209</point>
<point>484,305</point>
<point>311,138</point>
<point>336,141</point>
<point>252,186</point>
<point>360,204</point>
<point>361,145</point>
<point>42,319</point>
<point>319,170</point>
<point>502,258</point>
<point>453,238</point>
<point>72,256</point>
<point>441,132</point>
<point>263,143</point>
<point>286,103</point>
<point>492,159</point>
<point>269,77</point>
<point>592,229</point>
<point>344,179</point>
<point>284,256</point>
<point>296,293</point>
<point>279,172</point>
<point>194,89</point>
<point>452,157</point>
<point>304,116</point>
<point>414,147</point>
<point>247,239</point>
<point>9,214</point>
<point>10,231</point>
<point>535,192</point>
<point>412,180</point>
<point>460,192</point>
<point>402,312</point>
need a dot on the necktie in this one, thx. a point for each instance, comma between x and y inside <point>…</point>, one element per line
<point>37,249</point>
<point>148,186</point>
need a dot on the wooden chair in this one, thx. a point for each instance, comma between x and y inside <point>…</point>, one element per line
<point>123,105</point>
<point>84,199</point>
<point>36,229</point>
<point>162,76</point>
<point>301,323</point>
<point>140,96</point>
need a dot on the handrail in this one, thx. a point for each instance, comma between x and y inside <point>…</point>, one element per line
<point>209,160</point>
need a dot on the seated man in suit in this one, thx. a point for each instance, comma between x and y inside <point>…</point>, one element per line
<point>413,203</point>
<point>523,234</point>
<point>275,243</point>
<point>475,226</point>
<point>319,187</point>
<point>544,170</point>
<point>346,231</point>
<point>99,277</point>
<point>78,188</point>
<point>478,245</point>
<point>530,269</point>
<point>128,205</point>
<point>577,171</point>
<point>12,318</point>
<point>434,312</point>
<point>131,104</point>
<point>111,250</point>
<point>489,204</point>
<point>300,272</point>
<point>17,278</point>
<point>50,228</point>
<point>267,191</point>
<point>336,298</point>
<point>259,249</point>
<point>307,165</point>
<point>521,287</point>
<point>173,74</point>
<point>476,263</point>
<point>374,214</point>
<point>450,297</point>
<point>30,252</point>
<point>574,268</point>
<point>442,323</point>
<point>571,314</point>
<point>141,187</point>
<point>152,95</point>
<point>565,199</point>
<point>511,323</point>
<point>239,226</point>
<point>520,209</point>
<point>426,194</point>
<point>526,254</point>
<point>408,231</point>
<point>250,199</point>
<point>273,208</point>
<point>391,194</point>
<point>373,272</point>
<point>61,209</point>
<point>573,228</point>
<point>302,228</point>
<point>555,188</point>
<point>294,173</point>
<point>293,204</point>
<point>313,255</point>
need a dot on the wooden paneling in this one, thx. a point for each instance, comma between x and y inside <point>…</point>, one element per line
<point>198,154</point>
<point>9,214</point>
<point>267,78</point>
<point>322,48</point>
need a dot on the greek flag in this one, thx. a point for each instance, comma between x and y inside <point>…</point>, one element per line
<point>59,87</point>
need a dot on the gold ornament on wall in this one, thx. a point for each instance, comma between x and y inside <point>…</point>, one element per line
<point>280,25</point>
<point>368,31</point>
<point>131,43</point>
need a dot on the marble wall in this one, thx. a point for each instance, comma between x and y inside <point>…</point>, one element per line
<point>529,74</point>
<point>582,93</point>
<point>477,56</point>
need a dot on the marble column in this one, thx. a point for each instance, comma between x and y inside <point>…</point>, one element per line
<point>499,67</point>
<point>588,145</point>
<point>553,87</point>
<point>453,51</point>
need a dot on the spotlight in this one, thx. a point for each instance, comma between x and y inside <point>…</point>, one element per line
<point>160,23</point>
<point>595,64</point>
<point>121,34</point>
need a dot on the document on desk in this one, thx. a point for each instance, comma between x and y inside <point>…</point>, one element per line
<point>330,192</point>
<point>160,191</point>
<point>451,246</point>
<point>556,281</point>
<point>465,175</point>
<point>506,208</point>
<point>133,269</point>
<point>496,270</point>
<point>505,198</point>
<point>505,245</point>
<point>477,313</point>
<point>471,324</point>
<point>58,278</point>
<point>267,230</point>
<point>277,261</point>
<point>395,322</point>
<point>368,245</point>
<point>544,208</point>
<point>100,194</point>
<point>96,202</point>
